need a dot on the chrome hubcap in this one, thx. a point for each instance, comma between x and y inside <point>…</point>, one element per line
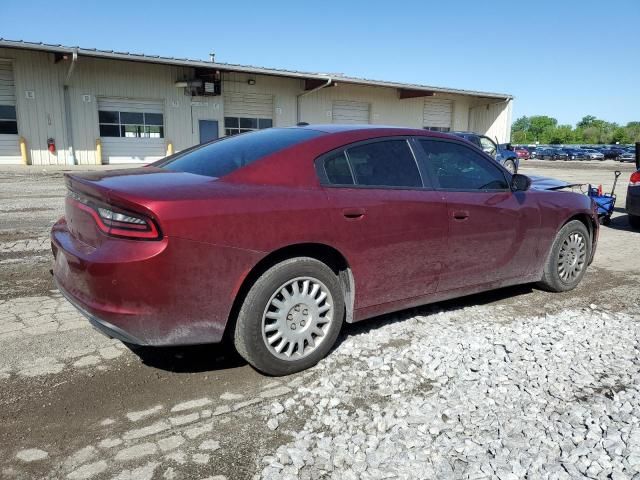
<point>297,318</point>
<point>572,257</point>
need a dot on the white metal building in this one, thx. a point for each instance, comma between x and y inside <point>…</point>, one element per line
<point>69,105</point>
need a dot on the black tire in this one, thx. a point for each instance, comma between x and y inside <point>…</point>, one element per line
<point>551,277</point>
<point>248,332</point>
<point>634,222</point>
<point>510,166</point>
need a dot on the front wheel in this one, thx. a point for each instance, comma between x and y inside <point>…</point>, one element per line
<point>634,221</point>
<point>568,258</point>
<point>290,317</point>
<point>510,166</point>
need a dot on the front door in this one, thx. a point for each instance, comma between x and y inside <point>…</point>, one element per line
<point>489,225</point>
<point>208,130</point>
<point>391,227</point>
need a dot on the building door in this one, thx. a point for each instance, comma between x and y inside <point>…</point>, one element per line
<point>208,130</point>
<point>244,112</point>
<point>351,112</point>
<point>9,148</point>
<point>131,131</point>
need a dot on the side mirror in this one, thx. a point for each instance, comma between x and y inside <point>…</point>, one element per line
<point>520,183</point>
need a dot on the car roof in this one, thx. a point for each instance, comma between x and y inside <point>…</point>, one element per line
<point>373,130</point>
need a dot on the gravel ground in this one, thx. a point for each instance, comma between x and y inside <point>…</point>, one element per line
<point>511,384</point>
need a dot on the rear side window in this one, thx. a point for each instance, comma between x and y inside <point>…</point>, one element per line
<point>389,163</point>
<point>224,156</point>
<point>338,171</point>
<point>456,167</point>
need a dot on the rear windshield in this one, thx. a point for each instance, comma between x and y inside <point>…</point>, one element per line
<point>228,154</point>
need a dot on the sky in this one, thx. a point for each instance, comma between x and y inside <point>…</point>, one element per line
<point>562,58</point>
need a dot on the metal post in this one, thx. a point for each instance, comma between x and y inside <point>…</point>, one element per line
<point>637,155</point>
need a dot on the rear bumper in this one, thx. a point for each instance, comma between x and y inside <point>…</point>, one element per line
<point>633,201</point>
<point>102,326</point>
<point>167,292</point>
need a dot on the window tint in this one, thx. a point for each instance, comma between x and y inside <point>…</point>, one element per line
<point>457,167</point>
<point>337,170</point>
<point>389,163</point>
<point>223,156</point>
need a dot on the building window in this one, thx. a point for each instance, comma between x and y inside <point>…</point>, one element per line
<point>235,125</point>
<point>8,121</point>
<point>130,124</point>
<point>438,129</point>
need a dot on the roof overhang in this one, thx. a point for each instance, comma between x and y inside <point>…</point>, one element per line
<point>408,89</point>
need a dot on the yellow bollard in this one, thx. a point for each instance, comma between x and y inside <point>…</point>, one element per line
<point>169,149</point>
<point>98,152</point>
<point>23,150</point>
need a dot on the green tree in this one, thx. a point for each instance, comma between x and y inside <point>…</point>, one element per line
<point>620,135</point>
<point>562,134</point>
<point>540,126</point>
<point>586,122</point>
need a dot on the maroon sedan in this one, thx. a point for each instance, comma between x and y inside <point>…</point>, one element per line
<point>277,237</point>
<point>522,153</point>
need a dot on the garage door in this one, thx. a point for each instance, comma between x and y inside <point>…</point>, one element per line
<point>350,112</point>
<point>131,131</point>
<point>9,148</point>
<point>437,114</point>
<point>244,112</point>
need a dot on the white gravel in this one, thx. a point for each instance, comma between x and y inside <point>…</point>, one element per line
<point>440,397</point>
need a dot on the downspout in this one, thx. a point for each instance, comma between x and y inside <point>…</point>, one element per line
<point>67,108</point>
<point>300,95</point>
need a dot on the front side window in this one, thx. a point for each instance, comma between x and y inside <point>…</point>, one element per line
<point>130,124</point>
<point>488,146</point>
<point>8,120</point>
<point>221,157</point>
<point>456,167</point>
<point>235,125</point>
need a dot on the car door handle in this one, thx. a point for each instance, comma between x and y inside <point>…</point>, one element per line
<point>353,213</point>
<point>460,214</point>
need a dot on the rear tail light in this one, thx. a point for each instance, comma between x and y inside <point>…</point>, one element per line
<point>634,181</point>
<point>115,221</point>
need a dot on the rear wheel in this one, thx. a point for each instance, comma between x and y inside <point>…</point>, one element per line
<point>634,221</point>
<point>568,258</point>
<point>290,317</point>
<point>510,166</point>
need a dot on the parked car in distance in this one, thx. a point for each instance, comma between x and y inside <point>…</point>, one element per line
<point>575,154</point>
<point>593,154</point>
<point>628,156</point>
<point>504,156</point>
<point>550,153</point>
<point>522,153</point>
<point>633,200</point>
<point>612,152</point>
<point>544,153</point>
<point>274,238</point>
<point>560,154</point>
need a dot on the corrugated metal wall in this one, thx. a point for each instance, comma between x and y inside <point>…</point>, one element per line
<point>492,120</point>
<point>43,116</point>
<point>386,107</point>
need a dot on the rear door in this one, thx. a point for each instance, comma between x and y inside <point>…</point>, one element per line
<point>391,226</point>
<point>490,227</point>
